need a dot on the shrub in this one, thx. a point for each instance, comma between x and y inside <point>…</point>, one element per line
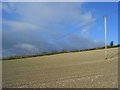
<point>111,44</point>
<point>74,51</point>
<point>54,52</point>
<point>64,51</point>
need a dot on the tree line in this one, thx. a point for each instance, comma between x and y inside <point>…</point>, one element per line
<point>53,52</point>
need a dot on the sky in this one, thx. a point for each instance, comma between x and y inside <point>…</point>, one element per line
<point>35,27</point>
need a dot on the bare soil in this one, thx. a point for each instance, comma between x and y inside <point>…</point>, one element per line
<point>87,69</point>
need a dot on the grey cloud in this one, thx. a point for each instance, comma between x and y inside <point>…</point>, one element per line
<point>42,27</point>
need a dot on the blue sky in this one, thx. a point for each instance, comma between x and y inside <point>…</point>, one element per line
<point>37,27</point>
<point>111,11</point>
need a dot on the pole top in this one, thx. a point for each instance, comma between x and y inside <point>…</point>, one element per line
<point>104,16</point>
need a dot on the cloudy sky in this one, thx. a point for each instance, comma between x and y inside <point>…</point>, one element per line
<point>30,28</point>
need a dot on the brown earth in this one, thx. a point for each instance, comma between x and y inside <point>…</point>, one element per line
<point>86,69</point>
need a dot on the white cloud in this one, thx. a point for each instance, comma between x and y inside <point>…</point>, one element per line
<point>50,24</point>
<point>20,25</point>
<point>8,7</point>
<point>46,15</point>
<point>88,18</point>
<point>86,29</point>
<point>29,47</point>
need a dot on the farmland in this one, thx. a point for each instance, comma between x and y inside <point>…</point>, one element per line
<point>86,69</point>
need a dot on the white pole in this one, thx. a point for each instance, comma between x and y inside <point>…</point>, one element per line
<point>105,37</point>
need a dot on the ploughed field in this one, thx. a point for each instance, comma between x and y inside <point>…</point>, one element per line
<point>87,69</point>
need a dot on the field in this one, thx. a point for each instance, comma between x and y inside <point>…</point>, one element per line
<point>86,69</point>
